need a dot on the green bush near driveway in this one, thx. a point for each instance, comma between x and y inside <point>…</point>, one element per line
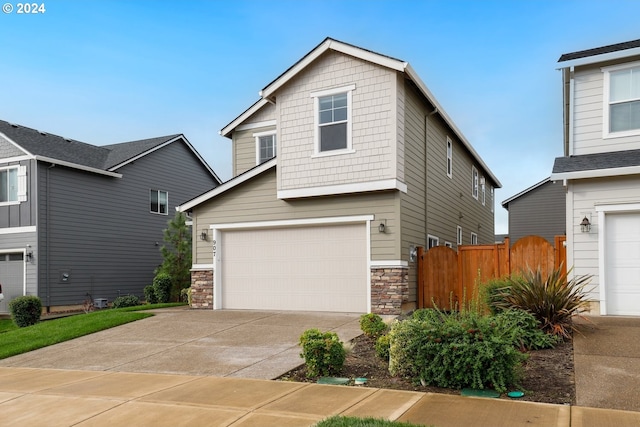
<point>25,310</point>
<point>126,301</point>
<point>323,352</point>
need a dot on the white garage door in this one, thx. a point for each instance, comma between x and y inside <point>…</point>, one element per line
<point>11,278</point>
<point>319,268</point>
<point>622,257</point>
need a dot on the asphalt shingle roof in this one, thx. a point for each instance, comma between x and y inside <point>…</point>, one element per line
<point>68,150</point>
<point>585,162</point>
<point>600,50</point>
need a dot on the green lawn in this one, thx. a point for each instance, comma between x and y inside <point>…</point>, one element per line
<point>338,421</point>
<point>14,340</point>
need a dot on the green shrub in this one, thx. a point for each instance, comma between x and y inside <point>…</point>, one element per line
<point>428,315</point>
<point>323,353</point>
<point>372,325</point>
<point>490,294</point>
<point>523,330</point>
<point>150,295</point>
<point>382,347</point>
<point>552,300</point>
<point>126,301</point>
<point>162,287</point>
<point>25,310</point>
<point>455,350</point>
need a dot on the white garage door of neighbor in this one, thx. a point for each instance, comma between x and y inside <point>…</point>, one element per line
<point>319,268</point>
<point>622,257</point>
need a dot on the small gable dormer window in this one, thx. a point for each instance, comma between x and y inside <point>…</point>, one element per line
<point>622,100</point>
<point>333,120</point>
<point>265,146</point>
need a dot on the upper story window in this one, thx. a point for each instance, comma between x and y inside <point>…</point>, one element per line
<point>474,182</point>
<point>622,100</point>
<point>484,191</point>
<point>449,158</point>
<point>474,238</point>
<point>432,241</point>
<point>459,236</point>
<point>13,185</point>
<point>491,196</point>
<point>333,120</point>
<point>159,201</point>
<point>265,146</point>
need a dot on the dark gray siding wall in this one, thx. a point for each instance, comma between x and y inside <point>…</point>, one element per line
<point>24,213</point>
<point>540,212</point>
<point>99,230</point>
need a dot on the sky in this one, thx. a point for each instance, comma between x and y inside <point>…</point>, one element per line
<point>109,71</point>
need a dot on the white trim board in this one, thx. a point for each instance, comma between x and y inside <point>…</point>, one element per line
<point>359,187</point>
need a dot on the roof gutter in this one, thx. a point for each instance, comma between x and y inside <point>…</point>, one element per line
<point>620,54</point>
<point>596,173</point>
<point>77,166</point>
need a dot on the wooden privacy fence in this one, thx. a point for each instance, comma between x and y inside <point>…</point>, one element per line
<point>444,275</point>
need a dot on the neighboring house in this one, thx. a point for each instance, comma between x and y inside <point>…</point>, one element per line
<point>601,172</point>
<point>368,167</point>
<point>78,219</point>
<point>539,210</point>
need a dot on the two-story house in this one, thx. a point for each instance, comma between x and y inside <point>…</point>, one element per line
<point>342,168</point>
<point>79,221</point>
<point>601,172</point>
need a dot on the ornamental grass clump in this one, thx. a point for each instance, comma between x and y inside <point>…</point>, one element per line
<point>553,300</point>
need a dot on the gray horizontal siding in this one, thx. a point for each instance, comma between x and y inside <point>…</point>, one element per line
<point>24,213</point>
<point>100,230</point>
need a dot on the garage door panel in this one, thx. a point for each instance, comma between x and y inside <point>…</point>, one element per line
<point>321,268</point>
<point>622,258</point>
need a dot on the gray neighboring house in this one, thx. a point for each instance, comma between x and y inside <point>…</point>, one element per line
<point>78,219</point>
<point>539,210</point>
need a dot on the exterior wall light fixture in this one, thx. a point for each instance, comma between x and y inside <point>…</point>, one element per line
<point>382,227</point>
<point>585,225</point>
<point>204,234</point>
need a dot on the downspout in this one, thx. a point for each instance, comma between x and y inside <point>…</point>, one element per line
<point>426,181</point>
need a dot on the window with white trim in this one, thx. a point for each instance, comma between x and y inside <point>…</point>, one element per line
<point>159,202</point>
<point>474,238</point>
<point>459,236</point>
<point>333,120</point>
<point>621,100</point>
<point>491,196</point>
<point>449,158</point>
<point>484,191</point>
<point>265,146</point>
<point>448,244</point>
<point>13,185</point>
<point>474,182</point>
<point>432,241</point>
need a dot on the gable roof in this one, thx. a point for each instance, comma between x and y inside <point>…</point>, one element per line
<point>613,163</point>
<point>266,94</point>
<point>80,155</point>
<point>505,204</point>
<point>599,54</point>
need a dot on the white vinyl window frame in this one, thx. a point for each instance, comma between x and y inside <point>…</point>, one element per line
<point>607,103</point>
<point>474,238</point>
<point>474,182</point>
<point>491,195</point>
<point>448,245</point>
<point>261,137</point>
<point>13,180</point>
<point>432,241</point>
<point>161,200</point>
<point>348,90</point>
<point>449,158</point>
<point>459,235</point>
<point>483,188</point>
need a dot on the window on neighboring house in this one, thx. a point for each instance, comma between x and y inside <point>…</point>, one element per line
<point>459,236</point>
<point>265,146</point>
<point>333,120</point>
<point>622,100</point>
<point>13,184</point>
<point>484,191</point>
<point>432,241</point>
<point>449,158</point>
<point>159,202</point>
<point>448,244</point>
<point>474,182</point>
<point>491,196</point>
<point>474,238</point>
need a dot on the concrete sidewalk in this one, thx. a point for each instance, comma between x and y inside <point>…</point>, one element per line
<point>61,398</point>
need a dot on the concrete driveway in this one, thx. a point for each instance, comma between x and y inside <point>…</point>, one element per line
<point>222,343</point>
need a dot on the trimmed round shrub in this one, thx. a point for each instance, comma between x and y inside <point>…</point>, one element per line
<point>25,310</point>
<point>126,301</point>
<point>372,325</point>
<point>383,343</point>
<point>323,353</point>
<point>162,287</point>
<point>150,294</point>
